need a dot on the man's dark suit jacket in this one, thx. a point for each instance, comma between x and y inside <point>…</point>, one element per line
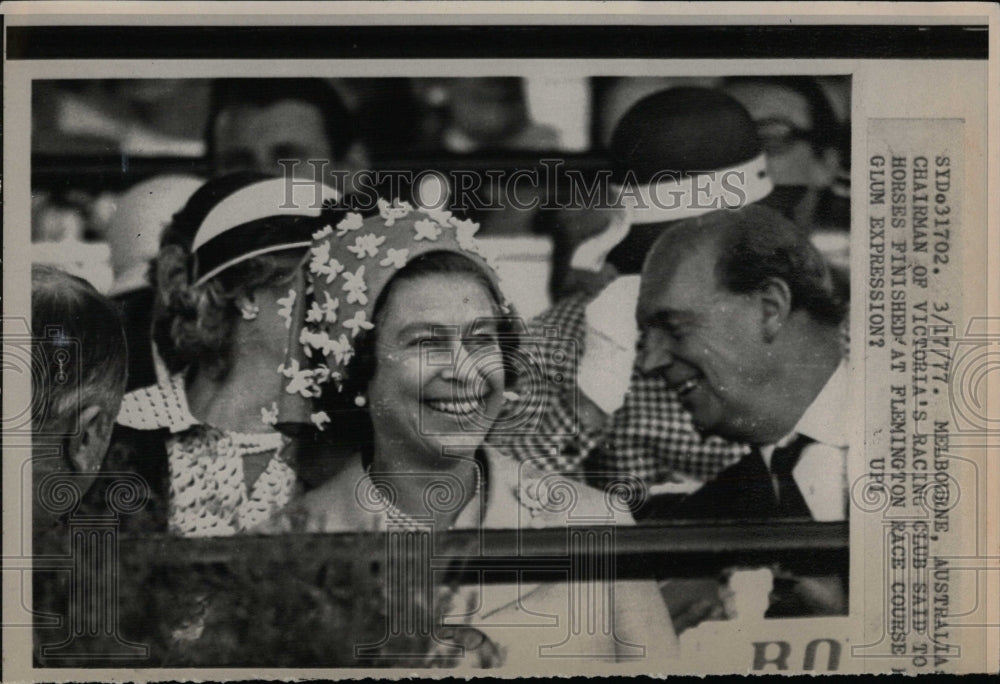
<point>743,491</point>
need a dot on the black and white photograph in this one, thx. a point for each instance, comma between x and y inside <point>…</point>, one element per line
<point>360,346</point>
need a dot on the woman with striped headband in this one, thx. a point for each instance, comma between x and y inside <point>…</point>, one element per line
<point>401,331</point>
<point>204,437</point>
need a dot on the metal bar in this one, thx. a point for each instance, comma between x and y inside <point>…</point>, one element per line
<point>663,550</point>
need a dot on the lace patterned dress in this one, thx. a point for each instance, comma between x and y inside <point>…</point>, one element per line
<point>208,494</point>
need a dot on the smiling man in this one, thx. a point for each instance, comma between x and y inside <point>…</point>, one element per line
<point>738,316</point>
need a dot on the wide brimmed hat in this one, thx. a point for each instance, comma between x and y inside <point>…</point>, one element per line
<point>261,217</point>
<point>677,154</point>
<point>686,151</point>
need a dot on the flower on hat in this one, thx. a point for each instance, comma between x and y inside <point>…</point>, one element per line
<point>308,340</point>
<point>442,216</point>
<point>352,221</point>
<point>321,373</point>
<point>355,287</point>
<point>301,380</point>
<point>464,230</point>
<point>341,349</point>
<point>317,339</point>
<point>426,230</point>
<point>269,416</point>
<point>323,232</point>
<point>286,304</point>
<point>302,383</point>
<point>366,245</point>
<point>320,255</point>
<point>357,324</point>
<point>330,308</point>
<point>315,313</point>
<point>322,264</point>
<point>395,257</point>
<point>331,270</point>
<point>391,212</point>
<point>320,419</point>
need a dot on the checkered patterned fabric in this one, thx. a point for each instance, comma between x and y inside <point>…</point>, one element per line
<point>649,437</point>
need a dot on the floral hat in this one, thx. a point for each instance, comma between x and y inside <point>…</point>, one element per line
<point>333,301</point>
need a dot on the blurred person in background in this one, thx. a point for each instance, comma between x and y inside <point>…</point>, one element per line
<point>205,437</point>
<point>136,116</point>
<point>808,155</point>
<point>63,236</point>
<point>806,147</point>
<point>481,118</point>
<point>79,351</point>
<point>488,114</point>
<point>141,214</point>
<point>254,123</point>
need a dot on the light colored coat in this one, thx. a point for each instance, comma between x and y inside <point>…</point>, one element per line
<point>583,614</point>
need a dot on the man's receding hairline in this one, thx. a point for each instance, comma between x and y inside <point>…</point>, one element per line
<point>680,240</point>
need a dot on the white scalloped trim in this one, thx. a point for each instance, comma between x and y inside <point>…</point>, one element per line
<point>157,406</point>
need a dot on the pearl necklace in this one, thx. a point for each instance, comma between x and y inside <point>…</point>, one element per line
<point>396,518</point>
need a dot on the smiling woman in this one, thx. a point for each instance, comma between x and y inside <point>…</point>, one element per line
<point>404,323</point>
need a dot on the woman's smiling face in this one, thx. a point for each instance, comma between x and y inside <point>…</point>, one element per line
<point>439,376</point>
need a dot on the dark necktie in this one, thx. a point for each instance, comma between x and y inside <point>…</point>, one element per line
<point>783,460</point>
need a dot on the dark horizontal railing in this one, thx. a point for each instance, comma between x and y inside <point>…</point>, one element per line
<point>312,600</point>
<point>676,549</point>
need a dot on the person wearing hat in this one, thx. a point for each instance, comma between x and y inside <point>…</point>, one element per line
<point>402,331</point>
<point>204,437</point>
<point>678,153</point>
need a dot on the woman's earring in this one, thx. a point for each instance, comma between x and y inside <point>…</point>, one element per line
<point>248,309</point>
<point>360,401</point>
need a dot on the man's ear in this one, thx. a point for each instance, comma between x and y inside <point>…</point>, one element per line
<point>88,446</point>
<point>776,305</point>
